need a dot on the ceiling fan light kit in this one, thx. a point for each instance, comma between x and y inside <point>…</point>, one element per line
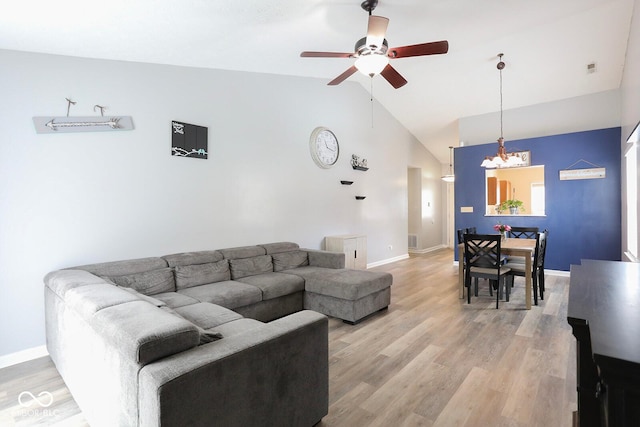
<point>372,53</point>
<point>502,159</point>
<point>372,64</point>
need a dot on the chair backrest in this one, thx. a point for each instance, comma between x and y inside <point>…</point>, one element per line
<point>460,234</point>
<point>523,232</point>
<point>482,250</point>
<point>471,230</point>
<point>542,244</point>
<point>536,255</point>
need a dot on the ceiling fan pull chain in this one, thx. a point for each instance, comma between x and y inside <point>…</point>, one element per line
<point>371,102</point>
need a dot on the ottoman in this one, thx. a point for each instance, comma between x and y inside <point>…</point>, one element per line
<point>350,295</point>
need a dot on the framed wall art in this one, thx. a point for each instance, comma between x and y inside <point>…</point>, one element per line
<point>189,140</point>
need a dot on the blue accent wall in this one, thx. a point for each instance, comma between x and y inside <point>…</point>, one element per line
<point>583,216</point>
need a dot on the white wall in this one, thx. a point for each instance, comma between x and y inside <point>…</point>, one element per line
<point>426,199</point>
<point>630,114</point>
<point>589,112</point>
<point>432,218</point>
<point>70,199</point>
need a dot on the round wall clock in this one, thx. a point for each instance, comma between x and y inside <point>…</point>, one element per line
<point>324,147</point>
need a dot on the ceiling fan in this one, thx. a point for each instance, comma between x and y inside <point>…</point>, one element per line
<point>372,52</point>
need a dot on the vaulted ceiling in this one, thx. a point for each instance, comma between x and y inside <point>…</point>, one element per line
<point>547,45</point>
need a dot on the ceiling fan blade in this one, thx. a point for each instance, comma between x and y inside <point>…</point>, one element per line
<point>342,77</point>
<point>392,76</point>
<point>376,30</point>
<point>433,48</point>
<point>325,55</point>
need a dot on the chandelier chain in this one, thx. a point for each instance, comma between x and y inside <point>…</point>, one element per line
<point>501,135</point>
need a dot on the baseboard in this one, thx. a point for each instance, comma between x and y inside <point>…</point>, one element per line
<point>23,356</point>
<point>560,273</point>
<point>387,261</point>
<point>427,250</point>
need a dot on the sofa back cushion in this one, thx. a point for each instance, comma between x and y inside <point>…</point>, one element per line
<point>147,298</point>
<point>148,282</point>
<point>190,258</point>
<point>243,252</point>
<point>288,260</point>
<point>120,268</point>
<point>244,267</point>
<point>274,248</point>
<point>188,276</point>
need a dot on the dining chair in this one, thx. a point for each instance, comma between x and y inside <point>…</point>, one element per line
<point>543,253</point>
<point>461,232</point>
<point>523,232</point>
<point>483,260</point>
<point>537,270</point>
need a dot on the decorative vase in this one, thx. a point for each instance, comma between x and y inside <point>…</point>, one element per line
<point>503,235</point>
<point>513,210</point>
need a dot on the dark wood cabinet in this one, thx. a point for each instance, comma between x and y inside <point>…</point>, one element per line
<point>604,314</point>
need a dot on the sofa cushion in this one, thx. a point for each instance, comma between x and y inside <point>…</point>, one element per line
<point>206,315</point>
<point>274,248</point>
<point>343,283</point>
<point>229,294</point>
<point>175,300</point>
<point>201,274</point>
<point>190,258</point>
<point>90,299</point>
<point>63,280</point>
<point>161,336</point>
<point>236,327</point>
<point>288,260</point>
<point>250,266</point>
<point>143,297</point>
<point>148,282</point>
<point>243,252</point>
<point>274,285</point>
<point>121,268</point>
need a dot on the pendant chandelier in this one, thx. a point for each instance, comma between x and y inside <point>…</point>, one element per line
<point>450,177</point>
<point>502,159</point>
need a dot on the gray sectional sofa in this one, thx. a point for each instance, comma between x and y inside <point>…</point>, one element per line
<point>229,337</point>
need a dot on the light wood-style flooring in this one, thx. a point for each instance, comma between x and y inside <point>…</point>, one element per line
<point>431,359</point>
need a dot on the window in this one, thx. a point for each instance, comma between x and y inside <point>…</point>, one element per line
<point>631,160</point>
<point>537,198</point>
<point>525,184</point>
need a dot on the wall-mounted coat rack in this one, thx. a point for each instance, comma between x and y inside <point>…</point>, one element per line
<point>49,124</point>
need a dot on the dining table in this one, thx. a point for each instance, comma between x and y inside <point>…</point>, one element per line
<point>512,247</point>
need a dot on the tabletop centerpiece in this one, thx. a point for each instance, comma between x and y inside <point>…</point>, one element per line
<point>502,229</point>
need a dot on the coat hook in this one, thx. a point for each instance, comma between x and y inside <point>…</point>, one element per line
<point>69,102</point>
<point>101,107</point>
